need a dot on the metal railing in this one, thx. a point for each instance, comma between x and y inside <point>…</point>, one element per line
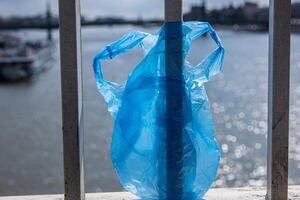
<point>71,88</point>
<point>278,99</point>
<point>278,102</point>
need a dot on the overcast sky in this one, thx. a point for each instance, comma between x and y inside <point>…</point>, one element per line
<point>91,8</point>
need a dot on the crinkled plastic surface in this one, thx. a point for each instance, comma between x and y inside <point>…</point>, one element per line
<point>139,149</point>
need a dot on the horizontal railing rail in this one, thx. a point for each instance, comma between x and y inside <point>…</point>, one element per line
<point>244,193</point>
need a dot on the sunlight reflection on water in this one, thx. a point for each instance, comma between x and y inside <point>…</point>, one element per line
<point>238,96</point>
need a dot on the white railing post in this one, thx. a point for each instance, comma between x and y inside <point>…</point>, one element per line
<point>71,89</point>
<point>278,102</point>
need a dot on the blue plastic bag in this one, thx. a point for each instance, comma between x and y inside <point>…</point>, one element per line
<point>138,149</point>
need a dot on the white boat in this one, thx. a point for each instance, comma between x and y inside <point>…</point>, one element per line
<point>22,60</point>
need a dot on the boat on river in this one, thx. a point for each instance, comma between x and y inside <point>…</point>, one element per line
<point>21,60</point>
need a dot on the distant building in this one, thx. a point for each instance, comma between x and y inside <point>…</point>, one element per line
<point>49,21</point>
<point>250,10</point>
<point>262,16</point>
<point>228,15</point>
<point>197,13</point>
<point>296,10</point>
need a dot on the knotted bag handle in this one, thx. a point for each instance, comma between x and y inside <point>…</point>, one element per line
<point>210,65</point>
<point>112,91</point>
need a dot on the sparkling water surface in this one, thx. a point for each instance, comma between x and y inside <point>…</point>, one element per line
<point>30,118</point>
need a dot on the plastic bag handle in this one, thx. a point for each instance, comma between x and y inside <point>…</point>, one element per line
<point>112,91</point>
<point>212,64</point>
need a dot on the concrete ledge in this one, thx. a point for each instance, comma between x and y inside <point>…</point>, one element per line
<point>213,194</point>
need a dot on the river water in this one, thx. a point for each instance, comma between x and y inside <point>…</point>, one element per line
<point>30,118</point>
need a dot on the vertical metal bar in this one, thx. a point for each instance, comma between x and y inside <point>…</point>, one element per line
<point>174,99</point>
<point>278,108</point>
<point>71,88</point>
<point>173,10</point>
